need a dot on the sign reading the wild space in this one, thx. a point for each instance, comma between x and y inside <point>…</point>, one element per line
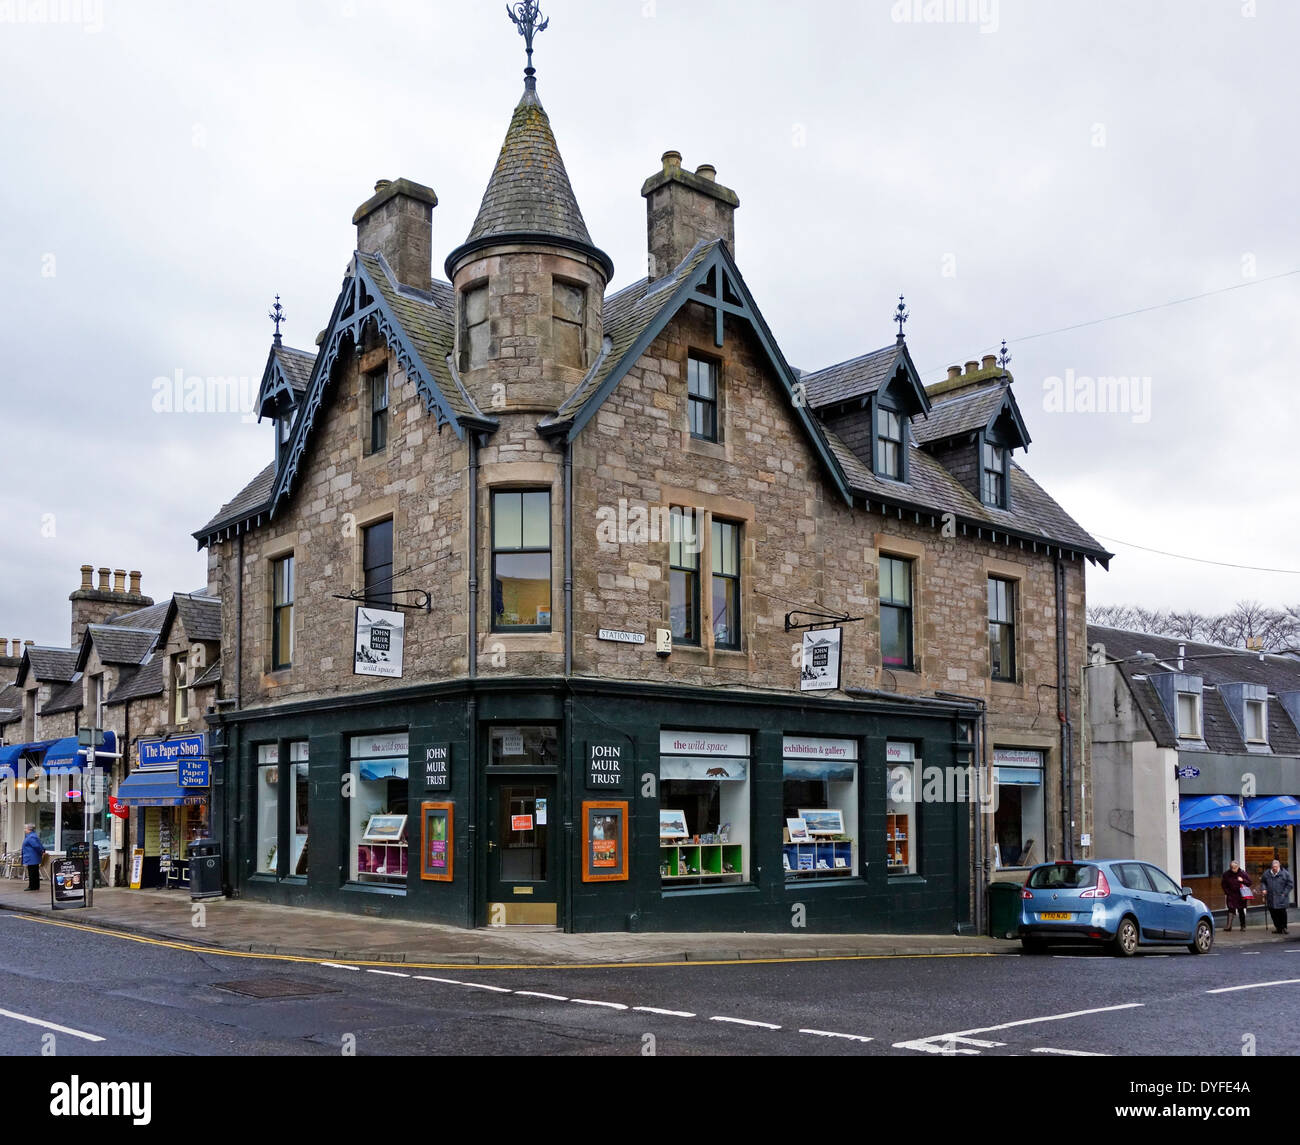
<point>379,643</point>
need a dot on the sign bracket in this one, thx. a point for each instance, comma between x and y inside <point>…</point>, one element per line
<point>824,619</point>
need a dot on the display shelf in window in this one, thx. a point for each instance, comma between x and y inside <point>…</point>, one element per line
<point>701,863</point>
<point>820,858</point>
<point>382,862</point>
<point>898,842</point>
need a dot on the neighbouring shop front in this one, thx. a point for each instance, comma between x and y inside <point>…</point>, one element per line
<point>167,801</point>
<point>54,785</point>
<point>1215,829</point>
<point>600,807</point>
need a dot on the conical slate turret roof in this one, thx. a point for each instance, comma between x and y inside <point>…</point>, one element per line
<point>529,196</point>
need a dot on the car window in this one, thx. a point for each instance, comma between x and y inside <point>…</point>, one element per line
<point>1065,876</point>
<point>1162,882</point>
<point>1132,876</point>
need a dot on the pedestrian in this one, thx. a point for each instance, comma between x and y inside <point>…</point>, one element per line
<point>33,852</point>
<point>1277,894</point>
<point>1235,880</point>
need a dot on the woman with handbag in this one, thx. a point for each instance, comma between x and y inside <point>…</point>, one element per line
<point>1236,889</point>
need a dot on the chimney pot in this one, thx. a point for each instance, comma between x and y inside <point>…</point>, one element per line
<point>380,184</point>
<point>972,367</point>
<point>103,580</point>
<point>87,572</point>
<point>954,372</point>
<point>29,643</point>
<point>672,161</point>
<point>17,647</point>
<point>707,171</point>
<point>989,361</point>
<point>119,581</point>
<point>135,583</point>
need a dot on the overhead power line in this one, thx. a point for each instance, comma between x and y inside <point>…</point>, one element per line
<point>1197,560</point>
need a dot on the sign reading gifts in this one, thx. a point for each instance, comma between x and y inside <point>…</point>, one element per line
<point>173,752</point>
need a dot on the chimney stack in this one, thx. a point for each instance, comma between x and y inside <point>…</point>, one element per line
<point>397,222</point>
<point>119,581</point>
<point>683,208</point>
<point>135,583</point>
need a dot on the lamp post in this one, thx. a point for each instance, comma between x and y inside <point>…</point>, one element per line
<point>90,739</point>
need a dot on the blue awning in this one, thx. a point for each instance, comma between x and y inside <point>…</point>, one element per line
<point>1202,812</point>
<point>1273,811</point>
<point>157,787</point>
<point>373,769</point>
<point>68,757</point>
<point>17,758</point>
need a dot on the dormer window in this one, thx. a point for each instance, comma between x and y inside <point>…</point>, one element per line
<point>993,486</point>
<point>889,444</point>
<point>1189,715</point>
<point>474,327</point>
<point>1256,722</point>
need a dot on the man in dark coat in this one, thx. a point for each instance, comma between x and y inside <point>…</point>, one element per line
<point>1277,883</point>
<point>33,852</point>
<point>1234,879</point>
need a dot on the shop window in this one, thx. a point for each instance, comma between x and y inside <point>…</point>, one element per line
<point>474,328</point>
<point>704,808</point>
<point>1002,628</point>
<point>377,394</point>
<point>521,561</point>
<point>569,304</point>
<point>524,747</point>
<point>1256,725</point>
<point>726,584</point>
<point>1205,853</point>
<point>282,591</point>
<point>377,831</point>
<point>272,844</point>
<point>819,831</point>
<point>902,779</point>
<point>1018,818</point>
<point>896,612</point>
<point>684,575</point>
<point>1263,845</point>
<point>1189,715</point>
<point>702,398</point>
<point>377,562</point>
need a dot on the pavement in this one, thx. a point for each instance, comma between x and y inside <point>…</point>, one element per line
<point>258,928</point>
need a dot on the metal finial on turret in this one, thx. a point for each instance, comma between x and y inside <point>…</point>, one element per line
<point>276,315</point>
<point>900,316</point>
<point>1004,358</point>
<point>527,17</point>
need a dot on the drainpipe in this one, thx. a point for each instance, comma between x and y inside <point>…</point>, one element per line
<point>568,559</point>
<point>1063,714</point>
<point>473,557</point>
<point>471,706</point>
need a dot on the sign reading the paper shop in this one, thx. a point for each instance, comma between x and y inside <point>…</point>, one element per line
<point>821,660</point>
<point>437,767</point>
<point>379,643</point>
<point>605,765</point>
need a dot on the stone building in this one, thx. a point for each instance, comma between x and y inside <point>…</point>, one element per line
<point>508,621</point>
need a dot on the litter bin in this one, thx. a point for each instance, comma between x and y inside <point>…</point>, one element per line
<point>205,870</point>
<point>1004,910</point>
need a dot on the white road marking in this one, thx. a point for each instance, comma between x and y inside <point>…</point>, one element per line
<point>444,981</point>
<point>339,966</point>
<point>745,1022</point>
<point>482,986</point>
<point>1252,952</point>
<point>389,973</point>
<point>1068,1053</point>
<point>537,994</point>
<point>589,1002</point>
<point>832,1034</point>
<point>663,1013</point>
<point>947,1044</point>
<point>1255,986</point>
<point>50,1026</point>
<point>931,1045</point>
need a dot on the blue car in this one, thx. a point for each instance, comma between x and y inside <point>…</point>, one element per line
<point>1122,903</point>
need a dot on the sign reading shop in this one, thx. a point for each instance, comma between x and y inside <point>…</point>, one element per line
<point>605,770</point>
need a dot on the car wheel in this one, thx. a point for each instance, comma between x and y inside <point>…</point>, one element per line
<point>1204,938</point>
<point>1126,938</point>
<point>1032,946</point>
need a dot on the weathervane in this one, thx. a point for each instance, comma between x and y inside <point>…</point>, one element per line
<point>525,15</point>
<point>900,316</point>
<point>276,315</point>
<point>1004,358</point>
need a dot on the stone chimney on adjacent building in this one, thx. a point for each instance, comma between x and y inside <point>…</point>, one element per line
<point>975,375</point>
<point>96,605</point>
<point>397,222</point>
<point>683,207</point>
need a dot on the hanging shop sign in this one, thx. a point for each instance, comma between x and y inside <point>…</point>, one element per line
<point>174,751</point>
<point>379,643</point>
<point>436,841</point>
<point>437,767</point>
<point>821,660</point>
<point>614,636</point>
<point>605,771</point>
<point>604,845</point>
<point>194,773</point>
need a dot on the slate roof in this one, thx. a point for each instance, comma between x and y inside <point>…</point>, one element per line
<point>530,192</point>
<point>1215,665</point>
<point>65,699</point>
<point>201,616</point>
<point>855,378</point>
<point>56,665</point>
<point>255,495</point>
<point>118,644</point>
<point>147,680</point>
<point>211,676</point>
<point>151,617</point>
<point>965,413</point>
<point>296,365</point>
<point>11,699</point>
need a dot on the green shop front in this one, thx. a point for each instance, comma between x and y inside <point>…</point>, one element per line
<point>597,806</point>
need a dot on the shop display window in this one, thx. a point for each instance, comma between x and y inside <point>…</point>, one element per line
<point>270,778</point>
<point>378,808</point>
<point>901,794</point>
<point>1205,853</point>
<point>704,801</point>
<point>1018,818</point>
<point>820,808</point>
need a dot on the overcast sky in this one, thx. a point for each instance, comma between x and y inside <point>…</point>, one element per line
<point>1012,166</point>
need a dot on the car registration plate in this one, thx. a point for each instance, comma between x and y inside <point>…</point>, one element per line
<point>1054,916</point>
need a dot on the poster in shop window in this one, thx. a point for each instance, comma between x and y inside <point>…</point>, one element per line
<point>821,660</point>
<point>436,842</point>
<point>379,643</point>
<point>604,842</point>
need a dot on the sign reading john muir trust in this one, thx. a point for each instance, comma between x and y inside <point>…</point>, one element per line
<point>437,767</point>
<point>605,765</point>
<point>821,660</point>
<point>379,643</point>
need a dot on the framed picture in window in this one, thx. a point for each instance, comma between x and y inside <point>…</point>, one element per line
<point>672,825</point>
<point>385,829</point>
<point>798,829</point>
<point>825,821</point>
<point>604,842</point>
<point>436,843</point>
